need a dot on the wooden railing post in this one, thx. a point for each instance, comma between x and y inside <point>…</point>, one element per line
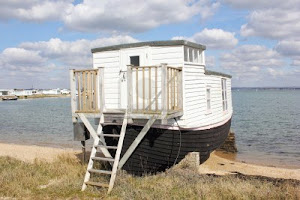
<point>164,90</point>
<point>129,89</point>
<point>101,97</point>
<point>180,91</point>
<point>73,94</point>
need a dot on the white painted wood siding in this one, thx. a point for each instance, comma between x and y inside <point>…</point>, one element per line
<point>195,102</point>
<point>110,60</point>
<point>172,55</point>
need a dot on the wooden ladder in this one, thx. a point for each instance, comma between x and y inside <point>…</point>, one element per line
<point>99,145</point>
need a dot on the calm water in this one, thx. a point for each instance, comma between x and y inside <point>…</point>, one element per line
<point>267,126</point>
<point>266,123</point>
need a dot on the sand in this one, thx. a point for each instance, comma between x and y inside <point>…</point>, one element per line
<point>221,166</point>
<point>214,165</point>
<point>29,153</point>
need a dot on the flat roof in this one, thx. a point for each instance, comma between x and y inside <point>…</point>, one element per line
<point>214,73</point>
<point>151,43</point>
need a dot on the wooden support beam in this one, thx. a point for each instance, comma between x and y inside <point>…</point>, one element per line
<point>129,92</point>
<point>101,95</point>
<point>94,134</point>
<point>136,142</point>
<point>164,91</point>
<point>73,93</point>
<point>129,89</point>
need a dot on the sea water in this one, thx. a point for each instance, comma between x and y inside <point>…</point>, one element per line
<point>266,124</point>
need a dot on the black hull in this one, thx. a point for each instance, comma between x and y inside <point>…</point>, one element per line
<point>161,149</point>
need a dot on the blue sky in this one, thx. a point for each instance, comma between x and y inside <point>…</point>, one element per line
<point>257,42</point>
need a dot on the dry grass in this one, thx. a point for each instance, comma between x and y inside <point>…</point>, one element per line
<point>62,179</point>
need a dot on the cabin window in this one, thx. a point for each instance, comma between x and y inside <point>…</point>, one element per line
<point>196,55</point>
<point>224,94</point>
<point>192,55</point>
<point>135,60</point>
<point>186,54</point>
<point>208,99</point>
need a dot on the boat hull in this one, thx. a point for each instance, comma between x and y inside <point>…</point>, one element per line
<point>162,148</point>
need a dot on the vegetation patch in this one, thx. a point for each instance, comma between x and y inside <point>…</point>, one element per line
<point>62,179</point>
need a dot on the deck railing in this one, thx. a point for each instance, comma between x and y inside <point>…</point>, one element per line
<point>154,89</point>
<point>87,85</point>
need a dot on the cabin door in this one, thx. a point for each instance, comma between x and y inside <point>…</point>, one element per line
<point>136,58</point>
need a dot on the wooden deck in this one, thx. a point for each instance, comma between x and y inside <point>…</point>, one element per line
<point>152,91</point>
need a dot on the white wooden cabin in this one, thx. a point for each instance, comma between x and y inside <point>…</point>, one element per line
<point>202,90</point>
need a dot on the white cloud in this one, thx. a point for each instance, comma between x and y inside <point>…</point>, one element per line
<point>290,48</point>
<point>50,60</point>
<point>134,15</point>
<point>213,38</point>
<point>250,4</point>
<point>35,10</point>
<point>21,57</point>
<point>273,23</point>
<point>245,61</point>
<point>73,53</point>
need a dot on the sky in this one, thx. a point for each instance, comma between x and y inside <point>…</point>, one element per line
<point>257,42</point>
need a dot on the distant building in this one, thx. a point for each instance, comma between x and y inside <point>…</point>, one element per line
<point>65,91</point>
<point>5,92</point>
<point>51,91</point>
<point>22,92</point>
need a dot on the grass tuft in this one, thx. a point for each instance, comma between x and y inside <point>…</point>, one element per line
<point>62,179</point>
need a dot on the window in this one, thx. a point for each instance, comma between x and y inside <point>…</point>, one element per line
<point>192,55</point>
<point>135,60</point>
<point>224,94</point>
<point>208,99</point>
<point>186,53</point>
<point>196,52</point>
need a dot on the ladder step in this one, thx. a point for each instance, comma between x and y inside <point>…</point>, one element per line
<point>107,147</point>
<point>103,159</point>
<point>97,184</point>
<point>100,171</point>
<point>111,135</point>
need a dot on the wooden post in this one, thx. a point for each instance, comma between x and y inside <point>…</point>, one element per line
<point>164,90</point>
<point>129,89</point>
<point>83,97</point>
<point>143,89</point>
<point>73,94</point>
<point>101,98</point>
<point>79,90</point>
<point>149,107</point>
<point>156,99</point>
<point>180,91</point>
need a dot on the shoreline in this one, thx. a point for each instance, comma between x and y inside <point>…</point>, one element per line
<point>39,96</point>
<point>249,160</point>
<point>214,165</point>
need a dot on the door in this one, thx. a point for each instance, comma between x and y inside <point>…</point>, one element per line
<point>135,57</point>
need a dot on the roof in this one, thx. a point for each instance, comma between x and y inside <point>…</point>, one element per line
<point>208,72</point>
<point>151,43</point>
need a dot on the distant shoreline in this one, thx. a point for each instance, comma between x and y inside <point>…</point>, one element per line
<point>265,88</point>
<point>38,96</point>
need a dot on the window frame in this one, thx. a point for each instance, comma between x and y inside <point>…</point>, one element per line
<point>186,55</point>
<point>208,99</point>
<point>224,94</point>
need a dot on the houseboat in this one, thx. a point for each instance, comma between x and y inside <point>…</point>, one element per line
<point>153,103</point>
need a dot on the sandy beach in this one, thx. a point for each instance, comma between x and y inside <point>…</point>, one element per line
<point>214,165</point>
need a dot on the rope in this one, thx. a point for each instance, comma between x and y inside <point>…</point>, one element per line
<point>179,142</point>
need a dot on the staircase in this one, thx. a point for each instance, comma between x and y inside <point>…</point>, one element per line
<point>100,146</point>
